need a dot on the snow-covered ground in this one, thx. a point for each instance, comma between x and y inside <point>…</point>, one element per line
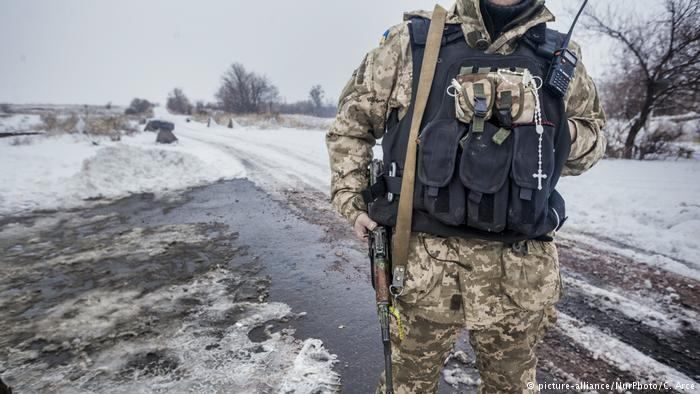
<point>653,206</point>
<point>20,123</point>
<point>52,172</point>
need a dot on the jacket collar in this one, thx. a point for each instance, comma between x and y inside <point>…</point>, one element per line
<point>468,14</point>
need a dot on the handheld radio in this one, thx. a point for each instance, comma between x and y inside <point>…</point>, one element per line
<point>561,70</point>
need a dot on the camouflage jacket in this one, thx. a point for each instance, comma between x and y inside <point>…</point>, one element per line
<point>383,82</point>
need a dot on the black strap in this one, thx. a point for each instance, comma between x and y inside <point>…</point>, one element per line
<point>543,41</point>
<point>385,184</point>
<point>419,31</point>
<point>504,112</point>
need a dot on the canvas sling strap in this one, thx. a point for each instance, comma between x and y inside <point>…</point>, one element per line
<point>405,210</point>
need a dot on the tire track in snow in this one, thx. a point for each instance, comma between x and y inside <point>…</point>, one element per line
<point>264,168</point>
<point>618,353</point>
<point>648,258</point>
<point>671,349</point>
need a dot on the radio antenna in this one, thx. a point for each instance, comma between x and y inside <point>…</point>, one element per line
<point>565,44</point>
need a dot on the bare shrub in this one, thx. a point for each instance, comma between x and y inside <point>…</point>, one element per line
<point>178,103</point>
<point>6,108</point>
<point>70,124</point>
<point>109,126</point>
<point>139,107</point>
<point>658,143</point>
<point>20,141</point>
<point>52,123</point>
<point>200,108</point>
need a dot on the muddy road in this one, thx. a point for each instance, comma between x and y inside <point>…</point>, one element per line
<point>227,289</point>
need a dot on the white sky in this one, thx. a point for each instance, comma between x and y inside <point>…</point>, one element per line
<point>96,51</point>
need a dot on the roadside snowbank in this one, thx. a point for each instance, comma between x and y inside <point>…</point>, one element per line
<point>63,171</point>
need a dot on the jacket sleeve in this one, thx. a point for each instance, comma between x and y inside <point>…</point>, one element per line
<point>585,113</point>
<point>362,111</point>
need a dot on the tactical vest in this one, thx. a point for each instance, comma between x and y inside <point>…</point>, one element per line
<point>478,182</point>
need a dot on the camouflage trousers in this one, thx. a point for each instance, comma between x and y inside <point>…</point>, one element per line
<point>503,295</point>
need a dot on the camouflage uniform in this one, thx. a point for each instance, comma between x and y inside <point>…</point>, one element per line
<point>504,296</point>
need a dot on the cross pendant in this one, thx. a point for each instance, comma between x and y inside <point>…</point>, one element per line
<point>540,176</point>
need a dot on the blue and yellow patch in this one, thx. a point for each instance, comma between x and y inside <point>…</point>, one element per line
<point>384,37</point>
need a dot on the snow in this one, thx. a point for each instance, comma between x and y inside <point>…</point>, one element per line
<point>311,370</point>
<point>280,363</point>
<point>19,123</point>
<point>455,371</point>
<point>617,353</point>
<point>54,172</point>
<point>652,208</point>
<point>643,309</point>
<point>456,376</point>
<point>276,158</point>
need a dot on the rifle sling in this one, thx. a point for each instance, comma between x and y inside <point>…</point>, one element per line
<point>405,209</point>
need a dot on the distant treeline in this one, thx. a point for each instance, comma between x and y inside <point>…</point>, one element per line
<point>243,92</point>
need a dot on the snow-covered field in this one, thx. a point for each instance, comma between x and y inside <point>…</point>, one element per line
<point>13,124</point>
<point>650,207</point>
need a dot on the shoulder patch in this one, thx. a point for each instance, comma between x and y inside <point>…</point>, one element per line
<point>384,37</point>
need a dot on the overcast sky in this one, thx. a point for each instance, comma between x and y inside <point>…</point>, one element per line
<point>97,51</point>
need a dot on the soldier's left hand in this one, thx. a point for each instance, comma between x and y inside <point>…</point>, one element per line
<point>363,224</point>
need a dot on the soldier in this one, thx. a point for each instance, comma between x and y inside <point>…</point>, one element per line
<point>493,142</point>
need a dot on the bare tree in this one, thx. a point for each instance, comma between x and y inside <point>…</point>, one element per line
<point>242,91</point>
<point>316,95</point>
<point>178,103</point>
<point>659,69</point>
<point>200,108</point>
<point>314,105</point>
<point>262,93</point>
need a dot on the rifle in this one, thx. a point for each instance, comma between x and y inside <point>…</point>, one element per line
<point>381,267</point>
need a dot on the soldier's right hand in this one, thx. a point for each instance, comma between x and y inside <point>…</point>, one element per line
<point>363,224</point>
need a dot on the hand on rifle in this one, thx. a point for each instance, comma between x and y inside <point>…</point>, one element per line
<point>363,224</point>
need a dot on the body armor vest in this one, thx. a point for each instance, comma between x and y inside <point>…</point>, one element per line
<point>488,177</point>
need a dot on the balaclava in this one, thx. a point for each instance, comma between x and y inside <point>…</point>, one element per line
<point>497,17</point>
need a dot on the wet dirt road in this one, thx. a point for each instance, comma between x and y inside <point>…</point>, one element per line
<point>146,292</point>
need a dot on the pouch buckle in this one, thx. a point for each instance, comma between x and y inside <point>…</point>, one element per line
<point>481,106</point>
<point>398,278</point>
